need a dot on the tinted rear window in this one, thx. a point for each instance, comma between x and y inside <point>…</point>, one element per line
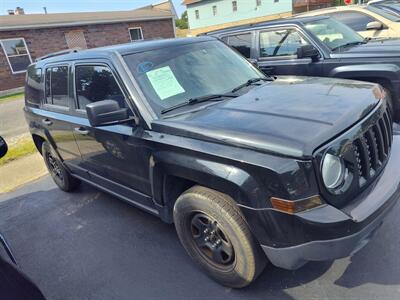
<point>57,86</point>
<point>33,86</point>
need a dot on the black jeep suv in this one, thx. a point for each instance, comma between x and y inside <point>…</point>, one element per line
<point>249,168</point>
<point>319,46</point>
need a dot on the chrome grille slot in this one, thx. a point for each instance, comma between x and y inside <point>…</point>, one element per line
<point>385,136</point>
<point>389,128</point>
<point>372,148</point>
<point>357,156</point>
<point>379,142</point>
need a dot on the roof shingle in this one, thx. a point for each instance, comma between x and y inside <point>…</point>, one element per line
<point>30,21</point>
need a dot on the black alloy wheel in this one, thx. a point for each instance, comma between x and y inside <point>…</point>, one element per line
<point>211,240</point>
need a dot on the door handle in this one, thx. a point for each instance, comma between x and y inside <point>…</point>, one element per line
<point>47,122</point>
<point>81,130</point>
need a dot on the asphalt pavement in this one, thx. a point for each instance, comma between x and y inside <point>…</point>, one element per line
<point>89,245</point>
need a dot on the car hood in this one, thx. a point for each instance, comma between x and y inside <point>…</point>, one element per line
<point>290,116</point>
<point>374,48</point>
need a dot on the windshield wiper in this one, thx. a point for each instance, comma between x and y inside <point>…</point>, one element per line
<point>252,81</point>
<point>349,44</point>
<point>191,101</point>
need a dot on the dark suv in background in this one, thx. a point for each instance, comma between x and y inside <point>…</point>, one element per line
<point>319,46</point>
<point>249,168</point>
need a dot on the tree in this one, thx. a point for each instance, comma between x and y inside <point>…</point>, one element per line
<point>182,23</point>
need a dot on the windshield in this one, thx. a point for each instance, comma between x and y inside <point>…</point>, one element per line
<point>386,13</point>
<point>333,33</point>
<point>173,75</point>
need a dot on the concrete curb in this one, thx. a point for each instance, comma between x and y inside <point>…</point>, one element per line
<point>21,171</point>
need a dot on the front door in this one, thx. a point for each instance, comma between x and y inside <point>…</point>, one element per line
<point>277,53</point>
<point>115,155</point>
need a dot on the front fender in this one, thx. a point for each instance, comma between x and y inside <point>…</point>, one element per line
<point>229,179</point>
<point>389,72</point>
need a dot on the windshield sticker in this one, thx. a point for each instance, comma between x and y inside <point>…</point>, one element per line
<point>164,82</point>
<point>144,67</point>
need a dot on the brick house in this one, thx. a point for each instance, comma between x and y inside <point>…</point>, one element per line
<point>300,6</point>
<point>24,37</point>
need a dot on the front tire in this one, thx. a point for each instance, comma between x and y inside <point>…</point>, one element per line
<point>214,233</point>
<point>60,175</point>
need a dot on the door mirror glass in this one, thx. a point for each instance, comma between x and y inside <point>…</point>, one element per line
<point>375,25</point>
<point>3,147</point>
<point>307,51</point>
<point>106,112</point>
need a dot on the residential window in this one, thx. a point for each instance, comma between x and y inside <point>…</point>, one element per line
<point>214,8</point>
<point>258,2</point>
<point>276,1</point>
<point>96,83</point>
<point>234,5</point>
<point>57,86</point>
<point>197,14</point>
<point>136,34</point>
<point>17,54</point>
<point>280,43</point>
<point>241,42</point>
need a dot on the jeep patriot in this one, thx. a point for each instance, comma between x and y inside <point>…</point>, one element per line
<point>250,168</point>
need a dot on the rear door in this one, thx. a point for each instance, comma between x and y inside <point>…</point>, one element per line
<point>55,112</point>
<point>277,53</point>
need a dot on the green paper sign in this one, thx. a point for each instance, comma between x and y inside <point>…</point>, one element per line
<point>164,82</point>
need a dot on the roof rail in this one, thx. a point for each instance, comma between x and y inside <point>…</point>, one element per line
<point>62,52</point>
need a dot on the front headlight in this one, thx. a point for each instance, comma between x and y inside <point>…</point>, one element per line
<point>333,171</point>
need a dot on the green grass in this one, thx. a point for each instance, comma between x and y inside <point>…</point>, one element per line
<point>18,150</point>
<point>11,97</point>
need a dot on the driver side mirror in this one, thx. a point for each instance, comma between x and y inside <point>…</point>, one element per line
<point>375,25</point>
<point>3,147</point>
<point>106,112</point>
<point>308,51</point>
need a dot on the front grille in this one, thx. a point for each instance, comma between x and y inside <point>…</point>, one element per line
<point>372,148</point>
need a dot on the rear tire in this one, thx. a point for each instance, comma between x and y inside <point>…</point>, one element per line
<point>216,236</point>
<point>58,172</point>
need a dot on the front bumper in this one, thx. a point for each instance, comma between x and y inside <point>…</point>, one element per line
<point>327,233</point>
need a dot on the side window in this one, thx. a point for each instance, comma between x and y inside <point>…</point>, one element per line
<point>33,86</point>
<point>355,20</point>
<point>241,42</point>
<point>57,86</point>
<point>96,83</point>
<point>280,43</point>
